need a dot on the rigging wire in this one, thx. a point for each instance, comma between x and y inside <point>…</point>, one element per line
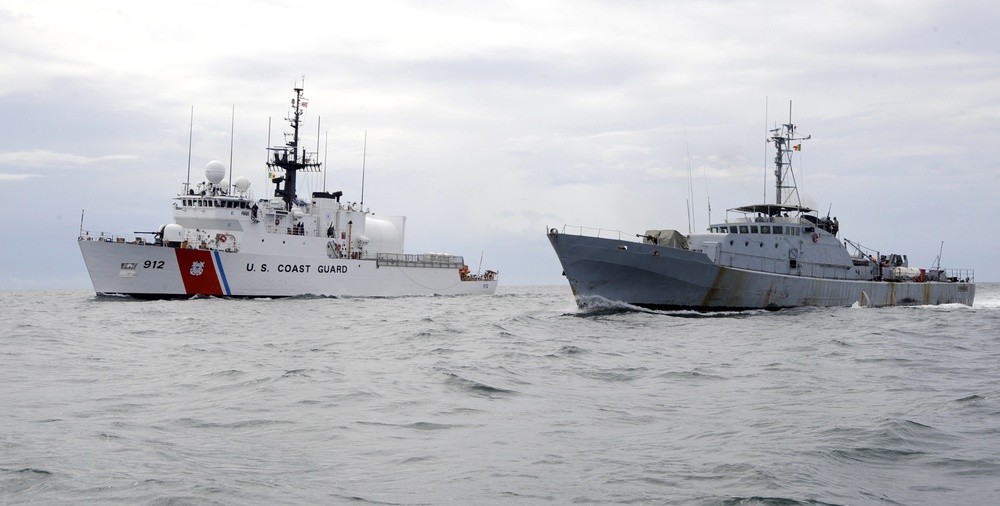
<point>690,199</point>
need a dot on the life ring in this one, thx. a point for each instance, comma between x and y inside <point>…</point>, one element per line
<point>815,237</point>
<point>222,239</point>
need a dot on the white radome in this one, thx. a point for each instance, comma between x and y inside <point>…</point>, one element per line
<point>215,171</point>
<point>242,184</point>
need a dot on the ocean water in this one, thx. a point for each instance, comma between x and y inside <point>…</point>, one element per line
<point>518,398</point>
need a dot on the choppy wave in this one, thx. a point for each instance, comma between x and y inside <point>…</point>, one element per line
<point>592,306</point>
<point>521,398</point>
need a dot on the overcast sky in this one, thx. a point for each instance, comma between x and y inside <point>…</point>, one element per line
<point>488,122</point>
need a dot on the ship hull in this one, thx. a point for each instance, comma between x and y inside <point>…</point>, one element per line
<point>655,277</point>
<point>147,271</point>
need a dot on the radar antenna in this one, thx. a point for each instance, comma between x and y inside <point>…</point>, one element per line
<point>289,159</point>
<point>785,142</point>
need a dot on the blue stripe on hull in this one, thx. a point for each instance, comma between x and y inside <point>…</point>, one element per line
<point>222,273</point>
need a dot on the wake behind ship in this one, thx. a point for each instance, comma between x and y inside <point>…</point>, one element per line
<point>769,256</point>
<point>223,242</point>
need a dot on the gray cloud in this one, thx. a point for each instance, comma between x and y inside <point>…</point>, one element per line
<point>488,122</point>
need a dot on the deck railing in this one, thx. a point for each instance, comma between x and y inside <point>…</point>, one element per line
<point>961,275</point>
<point>600,233</point>
<point>433,260</point>
<point>91,235</point>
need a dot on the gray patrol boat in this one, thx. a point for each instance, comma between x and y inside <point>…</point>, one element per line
<point>769,256</point>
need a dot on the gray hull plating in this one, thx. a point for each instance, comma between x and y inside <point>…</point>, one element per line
<point>653,276</point>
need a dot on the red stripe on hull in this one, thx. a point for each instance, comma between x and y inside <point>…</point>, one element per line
<point>198,272</point>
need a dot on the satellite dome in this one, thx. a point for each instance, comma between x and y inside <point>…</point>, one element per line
<point>215,171</point>
<point>242,184</point>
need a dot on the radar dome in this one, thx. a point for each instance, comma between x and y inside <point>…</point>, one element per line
<point>215,171</point>
<point>242,184</point>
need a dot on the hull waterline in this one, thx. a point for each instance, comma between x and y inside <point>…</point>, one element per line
<point>667,278</point>
<point>147,271</point>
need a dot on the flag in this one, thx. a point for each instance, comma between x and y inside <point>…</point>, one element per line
<point>797,147</point>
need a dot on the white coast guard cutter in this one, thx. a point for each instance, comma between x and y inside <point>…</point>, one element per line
<point>225,243</point>
<point>770,256</point>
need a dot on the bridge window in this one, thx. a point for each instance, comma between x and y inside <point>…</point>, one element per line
<point>753,229</point>
<point>765,229</point>
<point>743,229</point>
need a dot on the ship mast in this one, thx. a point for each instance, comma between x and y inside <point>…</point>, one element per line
<point>288,158</point>
<point>784,139</point>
